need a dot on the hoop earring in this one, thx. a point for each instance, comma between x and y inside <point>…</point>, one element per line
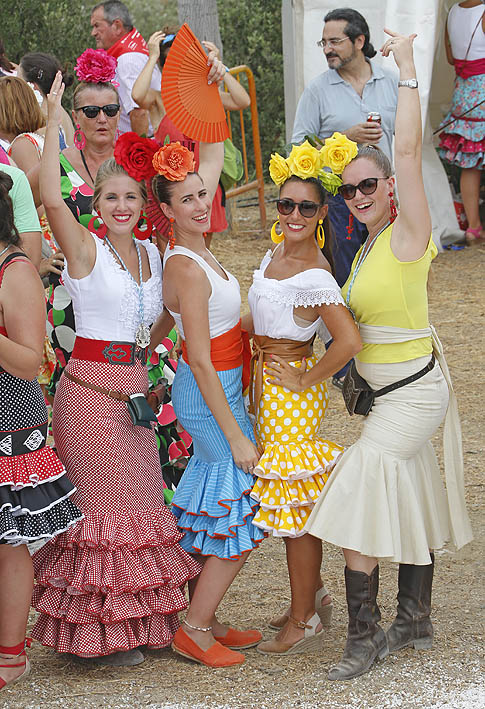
<point>392,205</point>
<point>99,230</point>
<point>320,234</point>
<point>147,231</point>
<point>79,138</point>
<point>275,237</point>
<point>350,226</point>
<point>171,235</point>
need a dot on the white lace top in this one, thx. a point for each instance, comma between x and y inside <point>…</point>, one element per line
<point>105,302</point>
<point>272,302</point>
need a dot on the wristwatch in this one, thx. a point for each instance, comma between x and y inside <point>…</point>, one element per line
<point>409,83</point>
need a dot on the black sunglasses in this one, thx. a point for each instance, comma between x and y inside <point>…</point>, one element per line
<point>367,186</point>
<point>306,208</point>
<point>110,110</point>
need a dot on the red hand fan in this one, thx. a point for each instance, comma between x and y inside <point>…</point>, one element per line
<point>194,106</point>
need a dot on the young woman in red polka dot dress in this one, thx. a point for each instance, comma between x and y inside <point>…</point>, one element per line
<point>113,582</point>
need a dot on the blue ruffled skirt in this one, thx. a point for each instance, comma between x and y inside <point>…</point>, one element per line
<point>212,502</point>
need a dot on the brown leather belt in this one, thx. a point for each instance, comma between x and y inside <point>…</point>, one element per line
<point>112,393</point>
<point>290,350</point>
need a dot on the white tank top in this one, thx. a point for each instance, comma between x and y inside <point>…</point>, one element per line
<point>461,23</point>
<point>224,300</point>
<point>105,302</point>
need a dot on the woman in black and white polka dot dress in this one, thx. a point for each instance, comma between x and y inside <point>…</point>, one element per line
<point>34,490</point>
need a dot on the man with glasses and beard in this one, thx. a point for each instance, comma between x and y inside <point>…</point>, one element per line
<point>341,99</point>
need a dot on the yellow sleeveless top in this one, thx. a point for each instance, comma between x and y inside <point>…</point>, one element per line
<point>393,293</point>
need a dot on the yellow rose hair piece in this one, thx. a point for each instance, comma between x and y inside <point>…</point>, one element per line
<point>307,161</point>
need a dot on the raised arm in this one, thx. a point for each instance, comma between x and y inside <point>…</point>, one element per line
<point>236,97</point>
<point>141,92</point>
<point>75,241</point>
<point>193,307</point>
<point>412,228</point>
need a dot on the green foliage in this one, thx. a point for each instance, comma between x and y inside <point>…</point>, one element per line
<point>250,30</point>
<point>251,35</point>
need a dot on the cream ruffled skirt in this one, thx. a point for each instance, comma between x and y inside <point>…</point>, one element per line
<point>385,497</point>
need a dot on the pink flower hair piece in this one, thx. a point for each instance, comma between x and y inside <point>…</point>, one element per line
<point>95,66</point>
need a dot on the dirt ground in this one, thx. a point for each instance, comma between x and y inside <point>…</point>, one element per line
<point>447,676</point>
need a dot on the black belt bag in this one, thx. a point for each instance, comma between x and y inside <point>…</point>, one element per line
<point>359,396</point>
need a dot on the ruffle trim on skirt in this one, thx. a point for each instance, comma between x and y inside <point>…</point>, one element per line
<point>383,506</point>
<point>112,583</point>
<point>459,150</point>
<point>213,507</point>
<point>291,477</point>
<point>30,469</point>
<point>296,460</point>
<point>30,514</point>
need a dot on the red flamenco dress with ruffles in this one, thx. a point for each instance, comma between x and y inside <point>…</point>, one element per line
<point>114,581</point>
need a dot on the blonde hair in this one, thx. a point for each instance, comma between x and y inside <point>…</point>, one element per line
<point>377,156</point>
<point>19,110</point>
<point>109,169</point>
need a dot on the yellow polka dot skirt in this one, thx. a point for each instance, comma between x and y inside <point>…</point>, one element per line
<point>291,472</point>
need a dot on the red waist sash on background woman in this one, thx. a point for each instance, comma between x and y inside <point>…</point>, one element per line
<point>464,69</point>
<point>228,351</point>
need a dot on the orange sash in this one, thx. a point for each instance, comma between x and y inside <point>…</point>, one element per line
<point>228,351</point>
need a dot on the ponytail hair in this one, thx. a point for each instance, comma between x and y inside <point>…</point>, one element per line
<point>8,231</point>
<point>356,26</point>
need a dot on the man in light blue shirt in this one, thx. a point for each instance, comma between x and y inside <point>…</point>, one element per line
<point>341,99</point>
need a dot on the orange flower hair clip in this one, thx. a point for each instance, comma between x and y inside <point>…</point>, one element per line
<point>174,161</point>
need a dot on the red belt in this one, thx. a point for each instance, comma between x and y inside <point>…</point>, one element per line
<point>108,351</point>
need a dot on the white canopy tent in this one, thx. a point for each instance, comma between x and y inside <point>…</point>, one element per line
<point>303,61</point>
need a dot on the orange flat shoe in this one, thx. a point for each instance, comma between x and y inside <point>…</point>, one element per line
<point>239,639</point>
<point>216,656</point>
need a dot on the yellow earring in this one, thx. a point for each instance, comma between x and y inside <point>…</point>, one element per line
<point>320,234</point>
<point>275,237</point>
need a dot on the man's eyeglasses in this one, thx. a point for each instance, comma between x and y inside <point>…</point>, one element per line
<point>323,43</point>
<point>306,208</point>
<point>367,186</point>
<point>110,110</point>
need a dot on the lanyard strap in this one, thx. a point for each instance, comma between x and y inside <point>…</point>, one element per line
<point>363,255</point>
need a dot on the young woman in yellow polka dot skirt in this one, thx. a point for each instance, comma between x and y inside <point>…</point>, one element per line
<point>293,296</point>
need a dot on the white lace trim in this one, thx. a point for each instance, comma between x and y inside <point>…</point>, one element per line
<point>152,291</point>
<point>297,298</point>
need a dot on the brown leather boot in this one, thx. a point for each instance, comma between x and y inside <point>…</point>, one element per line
<point>412,625</point>
<point>366,641</point>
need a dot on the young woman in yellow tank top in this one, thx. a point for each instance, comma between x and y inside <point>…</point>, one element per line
<point>385,497</point>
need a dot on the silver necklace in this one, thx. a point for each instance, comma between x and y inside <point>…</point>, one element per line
<point>5,249</point>
<point>142,336</point>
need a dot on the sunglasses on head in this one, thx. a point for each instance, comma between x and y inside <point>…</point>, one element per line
<point>168,38</point>
<point>367,186</point>
<point>306,208</point>
<point>110,110</point>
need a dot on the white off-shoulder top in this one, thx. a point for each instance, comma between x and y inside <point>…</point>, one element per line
<point>272,302</point>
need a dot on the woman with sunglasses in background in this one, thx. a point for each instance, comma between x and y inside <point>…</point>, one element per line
<point>120,572</point>
<point>294,295</point>
<point>385,497</point>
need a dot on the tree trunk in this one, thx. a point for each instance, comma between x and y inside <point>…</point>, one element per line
<point>202,17</point>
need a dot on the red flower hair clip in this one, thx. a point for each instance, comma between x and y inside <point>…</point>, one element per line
<point>174,161</point>
<point>135,154</point>
<point>95,66</point>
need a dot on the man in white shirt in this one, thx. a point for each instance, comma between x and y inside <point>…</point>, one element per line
<point>112,28</point>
